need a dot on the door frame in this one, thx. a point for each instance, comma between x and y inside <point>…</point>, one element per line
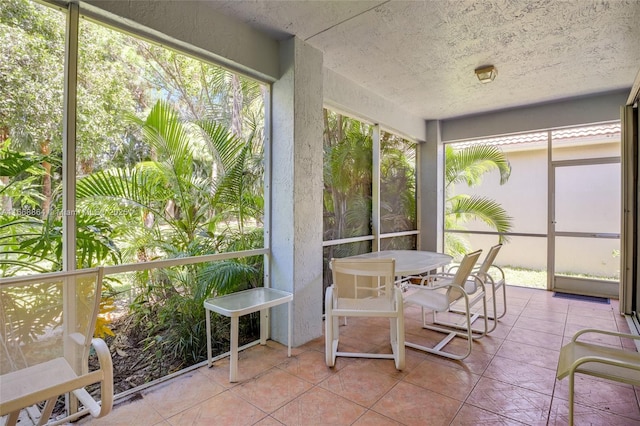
<point>560,283</point>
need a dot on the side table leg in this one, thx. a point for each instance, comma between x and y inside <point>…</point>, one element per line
<point>208,337</point>
<point>264,325</point>
<point>233,359</point>
<point>289,330</point>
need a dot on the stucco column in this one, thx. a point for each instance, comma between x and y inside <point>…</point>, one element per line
<point>296,191</point>
<point>430,184</point>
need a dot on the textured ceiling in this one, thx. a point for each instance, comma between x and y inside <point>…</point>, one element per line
<point>421,55</point>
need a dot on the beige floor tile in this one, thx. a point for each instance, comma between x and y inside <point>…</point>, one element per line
<point>521,374</point>
<point>310,366</point>
<point>268,421</point>
<point>449,381</point>
<point>474,416</point>
<point>511,401</point>
<point>222,409</point>
<point>535,338</point>
<point>534,312</point>
<point>181,393</point>
<point>136,411</point>
<point>412,405</point>
<point>319,407</point>
<point>272,390</point>
<point>371,418</point>
<point>550,327</point>
<point>360,384</point>
<point>535,355</point>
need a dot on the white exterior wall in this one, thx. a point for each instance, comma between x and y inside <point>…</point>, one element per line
<point>524,197</point>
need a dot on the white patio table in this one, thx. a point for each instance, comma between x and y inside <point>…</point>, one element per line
<point>241,303</point>
<point>410,262</point>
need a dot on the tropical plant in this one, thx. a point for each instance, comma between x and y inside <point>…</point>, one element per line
<point>397,186</point>
<point>176,208</point>
<point>347,177</point>
<point>468,165</point>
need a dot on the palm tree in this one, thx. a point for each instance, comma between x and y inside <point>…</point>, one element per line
<point>175,206</point>
<point>468,165</point>
<point>347,177</point>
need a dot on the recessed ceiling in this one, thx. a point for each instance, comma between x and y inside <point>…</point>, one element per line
<point>421,55</point>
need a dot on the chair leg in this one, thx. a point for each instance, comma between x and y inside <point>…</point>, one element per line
<point>47,410</point>
<point>571,384</point>
<point>476,334</point>
<point>396,326</point>
<point>329,328</point>
<point>399,344</point>
<point>12,419</point>
<point>504,301</point>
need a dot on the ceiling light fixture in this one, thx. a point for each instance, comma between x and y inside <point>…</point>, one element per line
<point>486,74</point>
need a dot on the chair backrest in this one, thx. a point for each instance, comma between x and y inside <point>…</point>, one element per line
<point>363,278</point>
<point>462,275</point>
<point>48,316</point>
<point>488,261</point>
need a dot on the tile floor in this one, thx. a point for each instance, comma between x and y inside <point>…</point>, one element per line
<point>509,379</point>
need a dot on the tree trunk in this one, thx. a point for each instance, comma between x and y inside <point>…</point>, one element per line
<point>237,100</point>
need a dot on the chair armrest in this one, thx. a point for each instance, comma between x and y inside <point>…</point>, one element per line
<point>435,287</point>
<point>106,365</point>
<point>610,333</point>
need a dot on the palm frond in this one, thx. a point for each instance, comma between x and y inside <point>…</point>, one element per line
<point>469,164</point>
<point>164,130</point>
<point>223,277</point>
<point>464,208</point>
<point>223,144</point>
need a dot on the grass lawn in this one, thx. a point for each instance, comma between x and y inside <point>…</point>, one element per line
<point>536,279</point>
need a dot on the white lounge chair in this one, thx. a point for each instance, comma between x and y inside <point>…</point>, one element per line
<point>493,277</point>
<point>597,360</point>
<point>442,291</point>
<point>46,332</point>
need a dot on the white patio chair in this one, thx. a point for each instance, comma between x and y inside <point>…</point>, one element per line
<point>443,290</point>
<point>494,279</point>
<point>597,360</point>
<point>364,288</point>
<point>46,333</point>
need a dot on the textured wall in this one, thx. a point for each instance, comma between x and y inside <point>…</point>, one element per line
<point>430,190</point>
<point>573,112</point>
<point>347,96</point>
<point>296,207</point>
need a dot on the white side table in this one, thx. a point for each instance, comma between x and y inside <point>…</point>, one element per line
<point>241,303</point>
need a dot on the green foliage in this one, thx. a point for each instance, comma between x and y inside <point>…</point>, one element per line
<point>347,177</point>
<point>169,164</point>
<point>183,211</point>
<point>31,238</point>
<point>469,165</point>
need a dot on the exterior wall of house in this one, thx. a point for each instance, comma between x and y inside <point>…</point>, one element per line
<point>524,197</point>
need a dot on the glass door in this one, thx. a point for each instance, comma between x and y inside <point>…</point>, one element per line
<point>584,234</point>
